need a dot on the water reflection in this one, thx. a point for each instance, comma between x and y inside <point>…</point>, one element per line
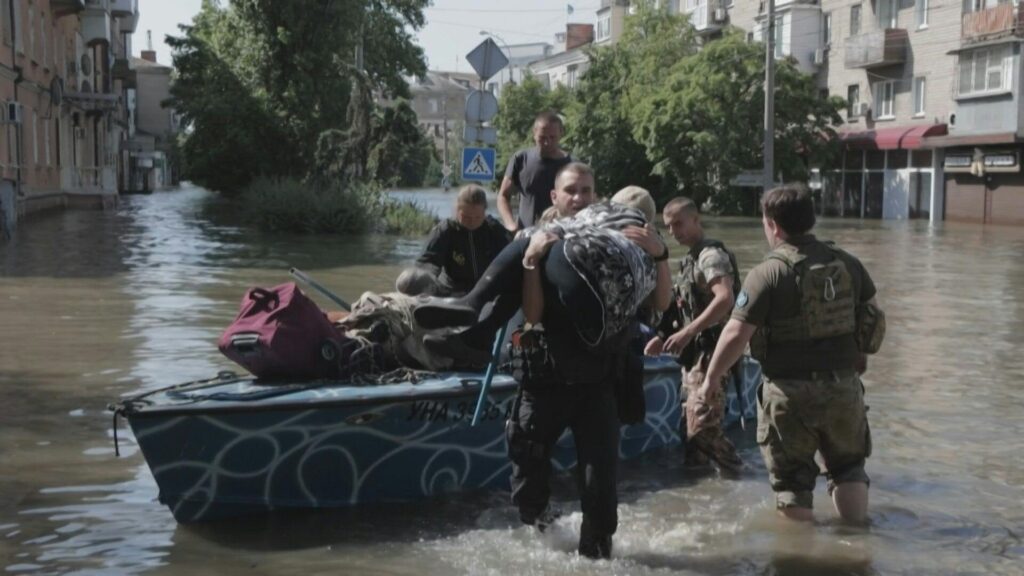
<point>100,304</point>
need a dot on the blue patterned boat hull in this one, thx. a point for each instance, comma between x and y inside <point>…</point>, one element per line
<point>230,446</point>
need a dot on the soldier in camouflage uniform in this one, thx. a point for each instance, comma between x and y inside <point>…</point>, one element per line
<point>704,295</point>
<point>809,314</point>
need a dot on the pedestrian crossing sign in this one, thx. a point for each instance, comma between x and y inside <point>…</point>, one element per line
<point>478,164</point>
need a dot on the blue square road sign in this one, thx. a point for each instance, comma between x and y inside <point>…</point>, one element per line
<point>478,164</point>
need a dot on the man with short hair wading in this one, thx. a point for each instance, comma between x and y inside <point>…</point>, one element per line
<point>532,173</point>
<point>705,291</point>
<point>810,309</point>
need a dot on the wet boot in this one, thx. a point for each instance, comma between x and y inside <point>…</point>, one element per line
<point>454,346</point>
<point>541,521</point>
<point>503,276</point>
<point>593,545</point>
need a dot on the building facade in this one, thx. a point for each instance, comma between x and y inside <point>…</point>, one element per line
<point>150,148</point>
<point>65,84</point>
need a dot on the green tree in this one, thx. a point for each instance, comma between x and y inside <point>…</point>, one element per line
<point>259,82</point>
<point>702,125</point>
<point>618,78</point>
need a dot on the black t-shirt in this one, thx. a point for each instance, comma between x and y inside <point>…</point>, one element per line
<point>535,178</point>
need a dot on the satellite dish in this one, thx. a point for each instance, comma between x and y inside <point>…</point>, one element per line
<point>86,64</point>
<point>56,91</point>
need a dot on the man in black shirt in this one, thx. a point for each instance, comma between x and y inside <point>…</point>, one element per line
<point>532,172</point>
<point>459,249</point>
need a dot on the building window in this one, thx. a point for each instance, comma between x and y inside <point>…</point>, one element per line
<point>855,20</point>
<point>604,27</point>
<point>31,31</point>
<point>571,82</point>
<point>433,105</point>
<point>887,13</point>
<point>918,93</point>
<point>983,71</point>
<point>780,35</point>
<point>42,39</point>
<point>852,101</point>
<point>921,13</point>
<point>885,100</point>
<point>46,141</point>
<point>826,29</point>
<point>35,138</point>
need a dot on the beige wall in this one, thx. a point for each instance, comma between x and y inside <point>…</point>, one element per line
<point>154,86</point>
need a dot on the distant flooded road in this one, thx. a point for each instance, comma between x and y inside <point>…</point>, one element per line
<point>95,305</point>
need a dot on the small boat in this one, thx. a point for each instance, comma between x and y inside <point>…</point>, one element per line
<point>232,445</point>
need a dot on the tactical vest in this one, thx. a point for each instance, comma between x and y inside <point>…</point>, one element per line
<point>692,301</point>
<point>827,302</point>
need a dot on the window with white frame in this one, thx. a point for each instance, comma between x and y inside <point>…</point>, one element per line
<point>918,95</point>
<point>46,139</point>
<point>921,13</point>
<point>855,20</point>
<point>571,81</point>
<point>983,71</point>
<point>604,27</point>
<point>433,105</point>
<point>885,100</point>
<point>780,36</point>
<point>826,29</point>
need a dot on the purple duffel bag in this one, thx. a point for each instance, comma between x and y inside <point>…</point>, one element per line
<point>280,334</point>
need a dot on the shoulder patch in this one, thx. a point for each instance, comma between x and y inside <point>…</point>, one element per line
<point>742,299</point>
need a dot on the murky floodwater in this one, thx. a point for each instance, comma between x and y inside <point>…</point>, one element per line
<point>95,305</point>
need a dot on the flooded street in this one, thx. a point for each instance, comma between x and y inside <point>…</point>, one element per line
<point>96,305</point>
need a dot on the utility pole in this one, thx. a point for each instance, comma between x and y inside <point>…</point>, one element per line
<point>769,101</point>
<point>444,134</point>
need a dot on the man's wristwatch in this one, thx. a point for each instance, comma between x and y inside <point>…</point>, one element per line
<point>663,257</point>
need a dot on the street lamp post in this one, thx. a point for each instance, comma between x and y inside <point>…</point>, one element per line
<point>508,52</point>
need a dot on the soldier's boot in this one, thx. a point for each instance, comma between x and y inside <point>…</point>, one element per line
<point>593,545</point>
<point>543,520</point>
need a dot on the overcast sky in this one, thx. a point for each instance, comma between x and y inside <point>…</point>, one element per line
<point>452,30</point>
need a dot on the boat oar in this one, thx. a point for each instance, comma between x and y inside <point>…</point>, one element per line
<point>489,375</point>
<point>300,275</point>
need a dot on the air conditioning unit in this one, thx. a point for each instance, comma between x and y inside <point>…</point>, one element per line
<point>863,109</point>
<point>820,57</point>
<point>719,15</point>
<point>14,112</point>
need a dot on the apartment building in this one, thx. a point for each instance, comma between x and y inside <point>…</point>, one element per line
<point>156,128</point>
<point>567,63</point>
<point>65,78</point>
<point>439,100</point>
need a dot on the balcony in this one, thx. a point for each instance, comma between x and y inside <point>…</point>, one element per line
<point>991,23</point>
<point>705,15</point>
<point>66,7</point>
<point>878,48</point>
<point>123,7</point>
<point>121,69</point>
<point>95,26</point>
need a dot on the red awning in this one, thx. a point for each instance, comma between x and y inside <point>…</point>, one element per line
<point>896,137</point>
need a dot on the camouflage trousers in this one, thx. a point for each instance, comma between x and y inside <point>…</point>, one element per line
<point>704,435</point>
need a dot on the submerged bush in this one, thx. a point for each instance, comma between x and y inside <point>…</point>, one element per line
<point>292,205</point>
